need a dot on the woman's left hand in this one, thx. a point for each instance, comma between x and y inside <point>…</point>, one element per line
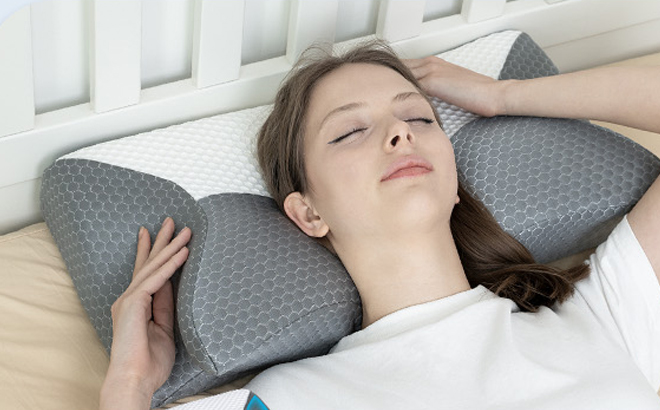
<point>456,85</point>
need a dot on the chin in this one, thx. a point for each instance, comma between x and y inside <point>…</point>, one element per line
<point>421,210</point>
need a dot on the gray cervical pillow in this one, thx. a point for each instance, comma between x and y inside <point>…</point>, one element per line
<point>255,290</point>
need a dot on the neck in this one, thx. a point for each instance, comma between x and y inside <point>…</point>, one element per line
<point>403,271</point>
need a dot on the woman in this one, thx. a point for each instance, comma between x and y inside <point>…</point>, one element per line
<point>373,176</point>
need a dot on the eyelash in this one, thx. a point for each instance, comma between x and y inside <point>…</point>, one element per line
<point>348,134</point>
<point>422,119</point>
<point>354,130</point>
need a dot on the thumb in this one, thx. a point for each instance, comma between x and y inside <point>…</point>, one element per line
<point>163,308</point>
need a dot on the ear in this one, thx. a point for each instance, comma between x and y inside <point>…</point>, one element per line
<point>303,214</point>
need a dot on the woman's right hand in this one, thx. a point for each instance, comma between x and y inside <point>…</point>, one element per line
<point>456,85</point>
<point>143,351</point>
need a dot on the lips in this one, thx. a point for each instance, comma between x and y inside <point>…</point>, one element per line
<point>408,166</point>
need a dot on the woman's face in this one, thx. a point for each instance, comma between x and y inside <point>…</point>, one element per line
<point>376,160</point>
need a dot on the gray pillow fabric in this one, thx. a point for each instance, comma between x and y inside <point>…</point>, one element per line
<point>559,186</point>
<point>264,292</point>
<point>94,210</point>
<point>255,290</point>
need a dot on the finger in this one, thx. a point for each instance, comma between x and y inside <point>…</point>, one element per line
<point>143,249</point>
<point>427,83</point>
<point>158,260</point>
<point>415,62</point>
<point>164,235</point>
<point>163,308</point>
<point>422,71</point>
<point>152,283</point>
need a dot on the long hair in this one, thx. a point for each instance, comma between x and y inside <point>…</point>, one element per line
<point>490,256</point>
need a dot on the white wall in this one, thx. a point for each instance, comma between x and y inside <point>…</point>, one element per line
<point>61,40</point>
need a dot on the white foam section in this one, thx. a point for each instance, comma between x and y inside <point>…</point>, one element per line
<point>208,156</point>
<point>231,400</point>
<point>485,55</point>
<point>217,154</point>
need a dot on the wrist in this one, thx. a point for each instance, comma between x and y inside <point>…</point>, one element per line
<point>124,392</point>
<point>504,95</point>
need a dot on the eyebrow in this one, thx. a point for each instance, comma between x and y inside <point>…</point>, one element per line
<point>355,105</point>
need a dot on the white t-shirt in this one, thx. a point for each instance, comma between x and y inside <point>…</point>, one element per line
<point>475,350</point>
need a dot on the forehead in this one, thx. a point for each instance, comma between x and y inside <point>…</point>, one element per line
<point>356,82</point>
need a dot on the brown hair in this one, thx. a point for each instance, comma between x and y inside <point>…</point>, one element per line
<point>489,255</point>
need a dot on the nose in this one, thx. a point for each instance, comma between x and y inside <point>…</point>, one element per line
<point>399,134</point>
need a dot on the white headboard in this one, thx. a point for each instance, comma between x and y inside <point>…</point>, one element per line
<point>575,33</point>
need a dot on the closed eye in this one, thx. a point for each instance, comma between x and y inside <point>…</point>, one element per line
<point>421,119</point>
<point>348,134</point>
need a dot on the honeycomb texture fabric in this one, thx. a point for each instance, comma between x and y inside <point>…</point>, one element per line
<point>526,60</point>
<point>559,186</point>
<point>94,211</point>
<point>299,314</point>
<point>204,157</point>
<point>255,290</point>
<point>265,293</point>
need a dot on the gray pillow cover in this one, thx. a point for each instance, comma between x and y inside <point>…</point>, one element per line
<point>256,291</point>
<point>273,294</point>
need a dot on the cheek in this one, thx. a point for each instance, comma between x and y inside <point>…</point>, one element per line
<point>338,187</point>
<point>450,163</point>
<point>340,182</point>
<point>445,165</point>
<point>448,156</point>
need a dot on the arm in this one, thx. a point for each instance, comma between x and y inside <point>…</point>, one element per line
<point>627,96</point>
<point>622,95</point>
<point>142,352</point>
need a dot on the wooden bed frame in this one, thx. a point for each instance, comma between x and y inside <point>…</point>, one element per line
<point>576,34</point>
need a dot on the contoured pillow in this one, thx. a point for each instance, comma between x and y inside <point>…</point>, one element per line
<point>251,275</point>
<point>255,290</point>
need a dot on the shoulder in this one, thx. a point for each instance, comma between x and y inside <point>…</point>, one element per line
<point>645,222</point>
<point>620,269</point>
<point>622,294</point>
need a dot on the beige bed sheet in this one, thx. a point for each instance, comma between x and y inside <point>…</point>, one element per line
<point>50,356</point>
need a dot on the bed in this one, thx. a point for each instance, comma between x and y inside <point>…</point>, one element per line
<point>233,54</point>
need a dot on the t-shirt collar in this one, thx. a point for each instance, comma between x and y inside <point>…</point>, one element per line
<point>414,317</point>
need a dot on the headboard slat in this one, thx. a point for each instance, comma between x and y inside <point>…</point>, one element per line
<point>217,40</point>
<point>29,143</point>
<point>400,20</point>
<point>16,80</point>
<point>310,22</point>
<point>115,54</point>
